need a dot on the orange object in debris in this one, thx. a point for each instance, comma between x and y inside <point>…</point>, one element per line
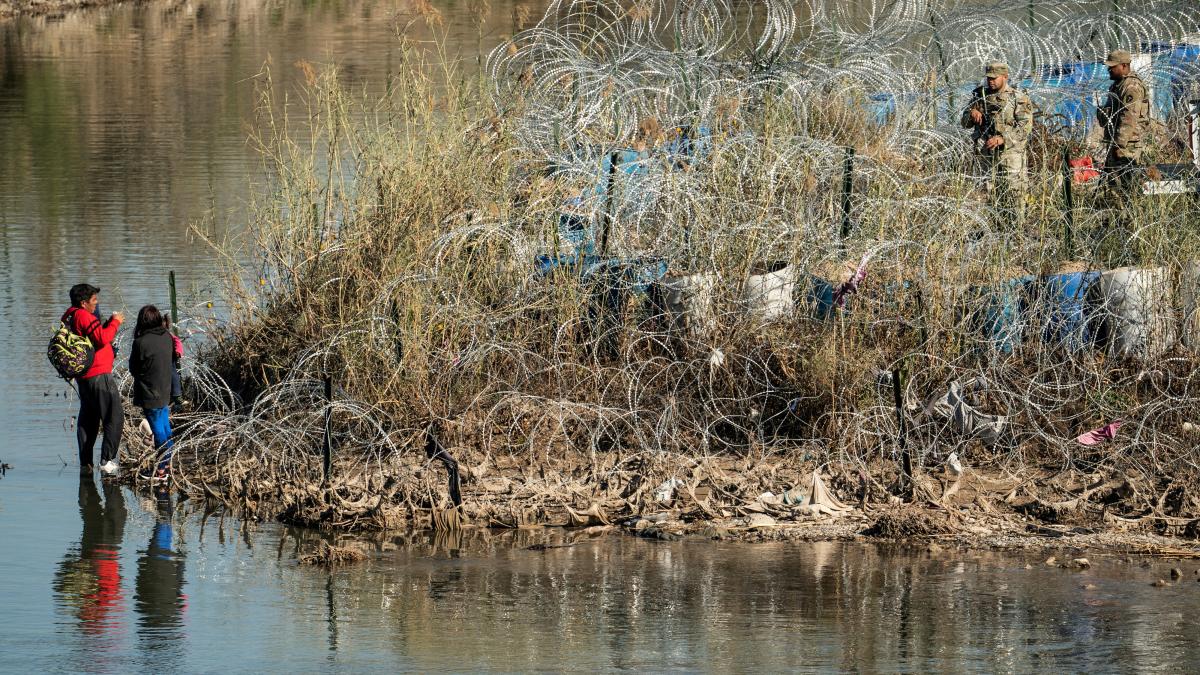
<point>1083,170</point>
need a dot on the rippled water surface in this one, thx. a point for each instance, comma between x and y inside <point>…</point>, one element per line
<point>119,128</point>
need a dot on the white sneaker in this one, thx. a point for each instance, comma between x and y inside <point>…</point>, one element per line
<point>109,468</point>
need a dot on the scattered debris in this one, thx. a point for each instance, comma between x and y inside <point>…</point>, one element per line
<point>665,492</point>
<point>954,407</point>
<point>953,465</point>
<point>905,523</point>
<point>1104,433</point>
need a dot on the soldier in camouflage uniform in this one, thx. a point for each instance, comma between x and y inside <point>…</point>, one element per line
<point>1001,118</point>
<point>1125,118</point>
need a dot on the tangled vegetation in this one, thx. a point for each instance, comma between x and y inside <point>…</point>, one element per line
<point>637,248</point>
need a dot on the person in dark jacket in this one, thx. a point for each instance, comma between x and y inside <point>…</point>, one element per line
<point>151,362</point>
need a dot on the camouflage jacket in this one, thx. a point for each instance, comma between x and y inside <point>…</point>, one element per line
<point>1125,117</point>
<point>1007,113</point>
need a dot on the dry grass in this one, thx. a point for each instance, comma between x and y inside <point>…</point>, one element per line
<point>396,250</point>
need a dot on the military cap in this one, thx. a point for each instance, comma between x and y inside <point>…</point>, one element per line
<point>1118,56</point>
<point>995,69</point>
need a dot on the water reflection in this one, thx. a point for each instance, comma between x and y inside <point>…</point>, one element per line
<point>87,584</point>
<point>158,595</point>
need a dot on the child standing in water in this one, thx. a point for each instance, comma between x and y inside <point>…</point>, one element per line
<point>151,362</point>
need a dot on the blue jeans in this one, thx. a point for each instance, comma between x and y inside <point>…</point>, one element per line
<point>160,426</point>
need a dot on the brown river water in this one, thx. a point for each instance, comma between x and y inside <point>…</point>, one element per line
<point>121,126</point>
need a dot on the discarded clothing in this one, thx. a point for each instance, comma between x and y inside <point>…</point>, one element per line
<point>953,406</point>
<point>1104,433</point>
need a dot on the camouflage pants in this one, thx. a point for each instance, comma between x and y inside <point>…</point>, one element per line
<point>1121,188</point>
<point>1008,183</point>
<point>1122,181</point>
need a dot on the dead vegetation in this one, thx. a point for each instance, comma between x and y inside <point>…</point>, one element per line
<point>441,259</point>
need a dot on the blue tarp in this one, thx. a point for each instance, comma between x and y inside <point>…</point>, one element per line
<point>1174,69</point>
<point>1068,91</point>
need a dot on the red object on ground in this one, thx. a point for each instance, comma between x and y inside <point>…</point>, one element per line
<point>1083,169</point>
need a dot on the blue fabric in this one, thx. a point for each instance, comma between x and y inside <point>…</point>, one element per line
<point>160,426</point>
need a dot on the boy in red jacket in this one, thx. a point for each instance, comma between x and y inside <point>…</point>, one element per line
<point>99,398</point>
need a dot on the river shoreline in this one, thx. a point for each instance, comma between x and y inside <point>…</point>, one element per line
<point>670,497</point>
<point>11,9</point>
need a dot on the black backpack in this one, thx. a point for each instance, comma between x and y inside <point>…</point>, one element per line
<point>70,353</point>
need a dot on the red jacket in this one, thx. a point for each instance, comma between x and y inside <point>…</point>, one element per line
<point>84,323</point>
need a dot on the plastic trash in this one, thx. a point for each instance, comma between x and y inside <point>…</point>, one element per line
<point>1135,307</point>
<point>716,359</point>
<point>954,465</point>
<point>994,313</point>
<point>688,302</point>
<point>815,498</point>
<point>1104,433</point>
<point>1083,170</point>
<point>954,408</point>
<point>769,295</point>
<point>819,296</point>
<point>1064,307</point>
<point>665,492</point>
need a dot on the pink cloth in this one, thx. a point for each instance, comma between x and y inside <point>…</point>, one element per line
<point>178,345</point>
<point>1104,433</point>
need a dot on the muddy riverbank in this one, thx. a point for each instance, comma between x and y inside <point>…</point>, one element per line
<point>775,496</point>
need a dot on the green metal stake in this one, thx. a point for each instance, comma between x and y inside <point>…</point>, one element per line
<point>327,445</point>
<point>609,216</point>
<point>902,428</point>
<point>847,186</point>
<point>174,304</point>
<point>1069,199</point>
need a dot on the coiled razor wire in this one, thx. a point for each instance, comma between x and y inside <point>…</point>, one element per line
<point>707,195</point>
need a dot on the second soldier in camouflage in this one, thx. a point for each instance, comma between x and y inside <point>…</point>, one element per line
<point>1125,118</point>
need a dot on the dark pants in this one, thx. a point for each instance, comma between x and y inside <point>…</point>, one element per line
<point>99,401</point>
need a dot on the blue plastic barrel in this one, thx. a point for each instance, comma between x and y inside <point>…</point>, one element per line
<point>994,313</point>
<point>1064,303</point>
